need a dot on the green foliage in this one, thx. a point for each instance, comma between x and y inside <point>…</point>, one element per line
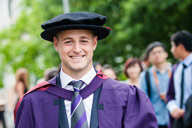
<point>134,24</point>
<point>21,45</point>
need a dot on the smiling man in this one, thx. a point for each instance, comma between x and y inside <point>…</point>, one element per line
<point>75,48</point>
<point>80,96</point>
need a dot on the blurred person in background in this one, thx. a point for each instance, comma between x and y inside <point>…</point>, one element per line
<point>109,71</point>
<point>22,83</point>
<point>145,62</point>
<point>132,70</point>
<point>2,108</point>
<point>49,73</point>
<point>180,87</point>
<point>154,82</point>
<point>97,66</point>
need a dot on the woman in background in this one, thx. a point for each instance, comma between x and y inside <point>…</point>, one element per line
<point>21,85</point>
<point>132,70</point>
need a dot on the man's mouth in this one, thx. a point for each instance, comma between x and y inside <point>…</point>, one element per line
<point>77,57</point>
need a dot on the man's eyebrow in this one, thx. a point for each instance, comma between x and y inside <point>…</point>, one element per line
<point>67,38</point>
<point>84,37</point>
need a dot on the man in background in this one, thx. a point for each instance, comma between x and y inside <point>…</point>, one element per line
<point>180,87</point>
<point>154,82</point>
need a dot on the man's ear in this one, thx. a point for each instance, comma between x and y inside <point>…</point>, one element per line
<point>181,47</point>
<point>94,42</point>
<point>55,41</point>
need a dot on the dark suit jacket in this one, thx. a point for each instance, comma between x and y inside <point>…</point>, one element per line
<point>186,121</point>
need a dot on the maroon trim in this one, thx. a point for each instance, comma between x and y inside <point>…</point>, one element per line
<point>39,86</point>
<point>85,92</point>
<point>56,90</point>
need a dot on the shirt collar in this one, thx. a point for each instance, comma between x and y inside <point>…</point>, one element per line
<point>87,78</point>
<point>188,60</point>
<point>168,67</point>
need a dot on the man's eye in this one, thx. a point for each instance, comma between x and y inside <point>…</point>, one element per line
<point>68,42</point>
<point>84,41</point>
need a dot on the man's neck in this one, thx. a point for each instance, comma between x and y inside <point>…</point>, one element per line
<point>77,74</point>
<point>161,66</point>
<point>185,55</point>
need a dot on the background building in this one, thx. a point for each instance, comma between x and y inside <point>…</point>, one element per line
<point>9,11</point>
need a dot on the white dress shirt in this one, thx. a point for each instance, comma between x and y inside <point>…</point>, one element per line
<point>87,78</point>
<point>171,105</point>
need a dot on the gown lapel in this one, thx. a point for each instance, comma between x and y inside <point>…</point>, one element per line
<point>94,113</point>
<point>94,87</point>
<point>63,121</point>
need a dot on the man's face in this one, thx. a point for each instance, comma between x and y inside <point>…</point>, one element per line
<point>157,55</point>
<point>175,50</point>
<point>75,48</point>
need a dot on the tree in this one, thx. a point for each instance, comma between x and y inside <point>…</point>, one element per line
<point>134,24</point>
<point>21,45</point>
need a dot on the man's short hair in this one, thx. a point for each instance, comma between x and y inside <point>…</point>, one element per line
<point>183,37</point>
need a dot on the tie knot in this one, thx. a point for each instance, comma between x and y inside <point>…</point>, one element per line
<point>184,66</point>
<point>77,84</point>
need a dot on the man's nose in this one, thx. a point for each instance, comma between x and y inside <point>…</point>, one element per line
<point>77,47</point>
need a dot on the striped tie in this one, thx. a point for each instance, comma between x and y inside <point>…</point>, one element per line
<point>78,114</point>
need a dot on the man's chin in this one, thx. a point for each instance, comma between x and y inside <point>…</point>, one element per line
<point>78,69</point>
<point>176,57</point>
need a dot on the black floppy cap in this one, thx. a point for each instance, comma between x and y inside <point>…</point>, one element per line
<point>152,45</point>
<point>75,20</point>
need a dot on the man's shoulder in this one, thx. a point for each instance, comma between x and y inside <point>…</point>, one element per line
<point>116,88</point>
<point>175,66</point>
<point>115,84</point>
<point>144,73</point>
<point>41,87</point>
<point>32,95</point>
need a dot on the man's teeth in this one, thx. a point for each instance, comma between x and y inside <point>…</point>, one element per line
<point>77,57</point>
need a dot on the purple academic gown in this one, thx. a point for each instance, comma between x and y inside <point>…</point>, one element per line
<point>118,106</point>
